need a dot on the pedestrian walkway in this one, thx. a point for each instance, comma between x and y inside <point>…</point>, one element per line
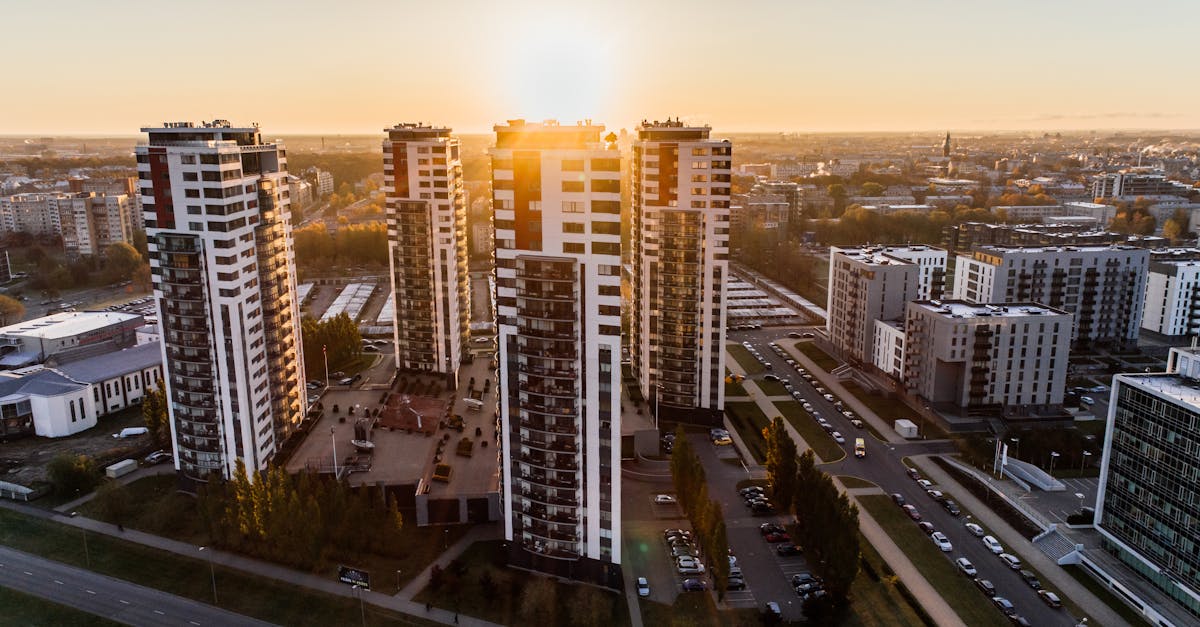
<point>399,603</point>
<point>1051,572</point>
<point>140,473</point>
<point>478,533</point>
<point>884,429</point>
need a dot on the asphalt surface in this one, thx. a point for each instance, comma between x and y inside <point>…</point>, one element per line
<point>104,596</point>
<point>883,467</point>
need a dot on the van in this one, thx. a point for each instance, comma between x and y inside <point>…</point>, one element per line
<point>860,447</point>
<point>131,432</point>
<point>472,404</point>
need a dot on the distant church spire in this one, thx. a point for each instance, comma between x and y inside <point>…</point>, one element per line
<point>946,145</point>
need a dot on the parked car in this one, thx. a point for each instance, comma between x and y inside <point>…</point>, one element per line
<point>1012,560</point>
<point>694,585</point>
<point>643,587</point>
<point>800,579</point>
<point>1019,620</point>
<point>787,550</point>
<point>773,612</point>
<point>856,422</point>
<point>346,381</point>
<point>975,529</point>
<point>925,484</point>
<point>838,437</point>
<point>936,495</point>
<point>735,583</point>
<point>664,499</point>
<point>1050,598</point>
<point>1087,400</point>
<point>952,507</point>
<point>156,458</point>
<point>794,334</point>
<point>1004,605</point>
<point>767,528</point>
<point>942,541</point>
<point>912,512</point>
<point>779,536</point>
<point>762,508</point>
<point>966,566</point>
<point>913,474</point>
<point>754,489</point>
<point>993,545</point>
<point>1031,579</point>
<point>986,586</point>
<point>770,377</point>
<point>807,335</point>
<point>898,499</point>
<point>927,527</point>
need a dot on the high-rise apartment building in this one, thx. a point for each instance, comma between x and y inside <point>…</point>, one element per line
<point>1010,358</point>
<point>680,218</point>
<point>1103,286</point>
<point>427,245</point>
<point>1173,292</point>
<point>557,200</point>
<point>1148,500</point>
<point>88,222</point>
<point>867,284</point>
<point>220,238</point>
<point>1131,183</point>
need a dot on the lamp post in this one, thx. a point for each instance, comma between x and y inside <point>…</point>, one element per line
<point>656,391</point>
<point>1053,456</point>
<point>1017,443</point>
<point>212,573</point>
<point>1083,461</point>
<point>397,581</point>
<point>333,437</point>
<point>1080,496</point>
<point>325,354</point>
<point>362,611</point>
<point>87,556</point>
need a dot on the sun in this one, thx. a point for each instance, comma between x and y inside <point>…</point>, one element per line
<point>564,71</point>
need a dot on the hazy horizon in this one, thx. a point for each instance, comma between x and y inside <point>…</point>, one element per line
<point>303,67</point>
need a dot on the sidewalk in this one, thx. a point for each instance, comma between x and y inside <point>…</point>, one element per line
<point>768,408</point>
<point>288,575</point>
<point>478,533</point>
<point>833,385</point>
<point>140,473</point>
<point>1019,545</point>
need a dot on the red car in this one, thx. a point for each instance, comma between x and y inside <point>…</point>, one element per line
<point>777,537</point>
<point>912,512</point>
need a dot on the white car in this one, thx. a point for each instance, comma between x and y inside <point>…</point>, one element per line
<point>993,545</point>
<point>942,541</point>
<point>808,407</point>
<point>1087,400</point>
<point>837,437</point>
<point>643,587</point>
<point>925,484</point>
<point>966,566</point>
<point>1012,560</point>
<point>975,529</point>
<point>829,397</point>
<point>664,499</point>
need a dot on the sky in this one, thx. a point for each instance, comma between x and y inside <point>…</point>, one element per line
<point>357,66</point>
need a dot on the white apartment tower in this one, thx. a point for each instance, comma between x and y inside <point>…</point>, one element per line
<point>681,184</point>
<point>427,242</point>
<point>1103,286</point>
<point>868,284</point>
<point>557,201</point>
<point>1173,292</point>
<point>220,238</point>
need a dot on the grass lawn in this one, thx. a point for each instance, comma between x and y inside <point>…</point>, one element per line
<point>891,410</point>
<point>733,388</point>
<point>693,608</point>
<point>822,359</point>
<point>749,421</point>
<point>252,595</point>
<point>820,442</point>
<point>958,591</point>
<point>771,388</point>
<point>745,359</point>
<point>165,512</point>
<point>1104,594</point>
<point>855,482</point>
<point>881,600</point>
<point>25,609</point>
<point>467,591</point>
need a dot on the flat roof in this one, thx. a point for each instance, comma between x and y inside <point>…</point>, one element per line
<point>1031,250</point>
<point>967,309</point>
<point>1172,386</point>
<point>66,324</point>
<point>114,364</point>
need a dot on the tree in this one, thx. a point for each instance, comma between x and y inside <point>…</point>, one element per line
<point>539,602</point>
<point>837,192</point>
<point>11,310</point>
<point>121,261</point>
<point>114,501</point>
<point>871,188</point>
<point>154,413</point>
<point>338,337</point>
<point>71,474</point>
<point>139,243</point>
<point>1176,226</point>
<point>781,462</point>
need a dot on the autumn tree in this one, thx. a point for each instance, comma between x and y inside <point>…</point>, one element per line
<point>121,261</point>
<point>11,310</point>
<point>781,462</point>
<point>871,188</point>
<point>1176,227</point>
<point>70,474</point>
<point>154,413</point>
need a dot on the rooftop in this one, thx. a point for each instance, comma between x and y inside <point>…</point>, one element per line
<point>117,363</point>
<point>40,383</point>
<point>1034,250</point>
<point>967,309</point>
<point>1169,385</point>
<point>885,256</point>
<point>66,324</point>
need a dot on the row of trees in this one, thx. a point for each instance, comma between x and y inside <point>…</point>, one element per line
<point>154,413</point>
<point>301,521</point>
<point>352,244</point>
<point>121,262</point>
<point>708,521</point>
<point>337,337</point>
<point>826,520</point>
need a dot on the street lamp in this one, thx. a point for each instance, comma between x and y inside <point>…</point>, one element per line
<point>397,581</point>
<point>1053,456</point>
<point>325,354</point>
<point>87,556</point>
<point>212,573</point>
<point>362,611</point>
<point>333,437</point>
<point>1017,443</point>
<point>656,392</point>
<point>1083,461</point>
<point>446,538</point>
<point>1080,496</point>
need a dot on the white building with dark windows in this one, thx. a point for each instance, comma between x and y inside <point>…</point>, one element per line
<point>681,183</point>
<point>219,230</point>
<point>1173,292</point>
<point>1103,286</point>
<point>557,200</point>
<point>427,242</point>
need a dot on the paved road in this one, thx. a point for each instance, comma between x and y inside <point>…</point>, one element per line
<point>104,596</point>
<point>883,467</point>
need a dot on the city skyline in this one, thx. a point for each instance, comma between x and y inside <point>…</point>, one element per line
<point>806,68</point>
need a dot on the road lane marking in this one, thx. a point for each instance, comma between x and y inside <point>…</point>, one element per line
<point>193,622</point>
<point>28,573</point>
<point>159,612</point>
<point>123,601</point>
<point>89,591</point>
<point>58,582</point>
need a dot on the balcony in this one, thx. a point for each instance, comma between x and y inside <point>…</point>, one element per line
<point>541,371</point>
<point>563,445</point>
<point>551,427</point>
<point>541,496</point>
<point>552,463</point>
<point>547,410</point>
<point>544,481</point>
<point>558,334</point>
<point>552,550</point>
<point>558,314</point>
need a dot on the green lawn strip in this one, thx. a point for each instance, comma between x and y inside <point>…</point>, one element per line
<point>958,591</point>
<point>695,608</point>
<point>743,357</point>
<point>820,442</point>
<point>855,482</point>
<point>163,511</point>
<point>240,592</point>
<point>26,609</point>
<point>771,388</point>
<point>466,589</point>
<point>878,599</point>
<point>1132,616</point>
<point>749,421</point>
<point>822,359</point>
<point>891,410</point>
